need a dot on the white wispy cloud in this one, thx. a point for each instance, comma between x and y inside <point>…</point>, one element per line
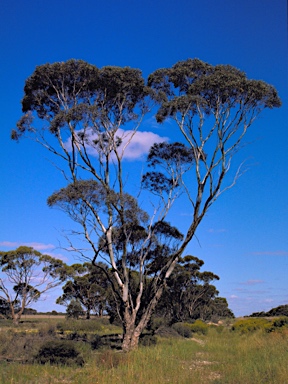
<point>35,245</point>
<point>252,282</point>
<point>270,253</point>
<point>140,143</point>
<point>136,145</point>
<point>268,300</point>
<point>58,256</point>
<point>47,248</point>
<point>220,230</point>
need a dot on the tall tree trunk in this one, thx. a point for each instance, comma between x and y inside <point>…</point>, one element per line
<point>133,331</point>
<point>15,316</point>
<point>130,339</point>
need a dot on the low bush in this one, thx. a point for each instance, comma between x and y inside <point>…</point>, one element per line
<point>250,325</point>
<point>183,329</point>
<point>156,322</point>
<point>147,340</point>
<point>278,324</point>
<point>77,336</point>
<point>167,332</point>
<point>59,352</point>
<point>187,329</point>
<point>199,327</point>
<point>89,326</point>
<point>20,346</point>
<point>96,342</point>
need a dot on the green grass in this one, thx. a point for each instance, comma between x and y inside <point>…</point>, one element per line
<point>257,357</point>
<point>222,356</point>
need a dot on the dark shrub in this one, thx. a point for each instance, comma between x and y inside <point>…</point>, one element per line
<point>77,336</point>
<point>59,352</point>
<point>96,342</point>
<point>281,322</point>
<point>147,340</point>
<point>165,331</point>
<point>278,324</point>
<point>183,329</point>
<point>157,322</point>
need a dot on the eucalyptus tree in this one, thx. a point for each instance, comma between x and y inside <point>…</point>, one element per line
<point>186,290</point>
<point>26,275</point>
<point>88,285</point>
<point>88,117</point>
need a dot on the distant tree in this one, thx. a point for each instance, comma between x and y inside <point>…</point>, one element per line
<point>214,310</point>
<point>88,117</point>
<point>25,275</point>
<point>89,286</point>
<point>281,310</point>
<point>54,313</point>
<point>74,309</point>
<point>29,311</point>
<point>187,291</point>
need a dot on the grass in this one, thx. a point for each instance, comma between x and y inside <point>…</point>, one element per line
<point>257,357</point>
<point>222,356</point>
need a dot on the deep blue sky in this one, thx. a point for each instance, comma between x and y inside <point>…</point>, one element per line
<point>244,236</point>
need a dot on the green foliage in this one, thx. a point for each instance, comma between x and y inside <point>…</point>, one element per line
<point>199,327</point>
<point>278,324</point>
<point>187,329</point>
<point>108,341</point>
<point>96,342</point>
<point>167,332</point>
<point>193,83</point>
<point>157,322</point>
<point>250,325</point>
<point>74,310</point>
<point>147,340</point>
<point>189,294</point>
<point>183,329</point>
<point>59,352</point>
<point>281,310</point>
<point>88,284</point>
<point>99,325</point>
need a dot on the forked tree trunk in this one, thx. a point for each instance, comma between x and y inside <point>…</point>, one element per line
<point>130,340</point>
<point>133,331</point>
<point>16,316</point>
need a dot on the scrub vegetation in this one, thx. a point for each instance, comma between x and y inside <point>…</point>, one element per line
<point>55,350</point>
